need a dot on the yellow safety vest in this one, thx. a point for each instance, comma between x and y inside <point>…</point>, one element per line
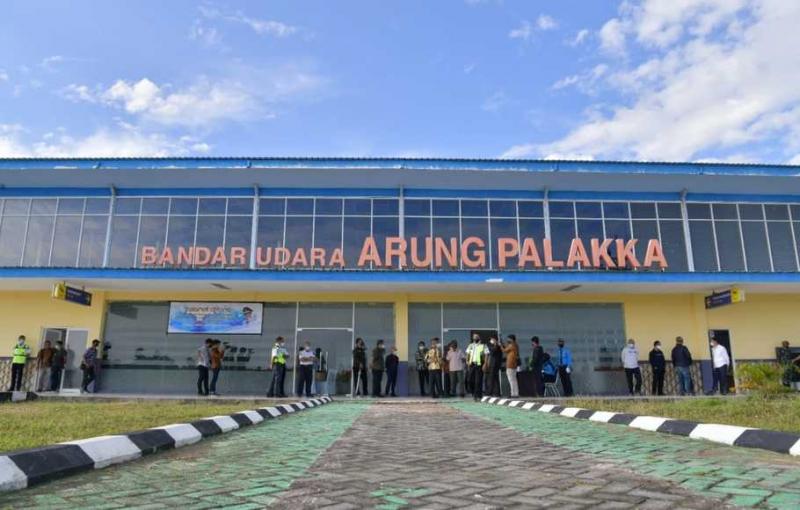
<point>278,355</point>
<point>476,353</point>
<point>20,354</point>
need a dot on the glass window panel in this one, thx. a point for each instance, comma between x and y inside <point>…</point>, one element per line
<point>374,321</point>
<point>419,228</point>
<point>68,205</point>
<point>503,208</point>
<point>12,231</point>
<point>503,228</point>
<point>669,210</point>
<point>37,242</point>
<point>357,206</point>
<point>155,205</point>
<point>729,244</point>
<point>782,245</point>
<point>475,227</point>
<point>533,228</point>
<point>181,234</point>
<point>751,212</point>
<point>530,209</point>
<point>93,241</point>
<point>703,250</point>
<point>238,233</point>
<point>331,206</point>
<point>98,205</point>
<point>447,228</point>
<point>588,209</point>
<point>562,232</point>
<point>356,229</point>
<point>417,207</point>
<point>270,235</point>
<point>328,233</point>
<point>127,205</point>
<point>674,245</point>
<point>755,246</point>
<point>643,210</point>
<point>240,206</point>
<point>272,206</point>
<point>698,211</point>
<point>469,316</point>
<point>65,241</point>
<point>325,315</point>
<point>445,208</point>
<point>299,206</point>
<point>777,211</point>
<point>216,206</point>
<point>298,232</point>
<point>385,207</point>
<point>644,230</point>
<point>19,206</point>
<point>382,228</point>
<point>615,209</point>
<point>210,230</point>
<point>588,229</point>
<point>618,229</point>
<point>724,211</point>
<point>562,210</point>
<point>43,206</point>
<point>183,206</point>
<point>152,232</point>
<point>795,210</point>
<point>123,241</point>
<point>474,208</point>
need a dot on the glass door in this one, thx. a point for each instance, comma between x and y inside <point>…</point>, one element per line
<point>72,376</point>
<point>52,335</point>
<point>332,374</point>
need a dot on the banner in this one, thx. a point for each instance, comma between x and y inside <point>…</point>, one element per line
<point>215,318</point>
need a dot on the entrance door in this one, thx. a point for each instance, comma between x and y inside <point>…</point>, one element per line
<point>75,345</point>
<point>52,335</point>
<point>336,350</point>
<point>723,337</point>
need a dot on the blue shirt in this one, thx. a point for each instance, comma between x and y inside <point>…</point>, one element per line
<point>564,357</point>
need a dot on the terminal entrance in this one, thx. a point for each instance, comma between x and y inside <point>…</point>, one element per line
<point>335,358</point>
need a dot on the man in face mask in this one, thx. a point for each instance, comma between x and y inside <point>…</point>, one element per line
<point>306,365</point>
<point>630,362</point>
<point>659,366</point>
<point>19,357</point>
<point>422,366</point>
<point>377,365</point>
<point>392,362</point>
<point>564,365</point>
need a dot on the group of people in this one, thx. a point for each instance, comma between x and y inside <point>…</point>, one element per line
<point>209,362</point>
<point>50,364</point>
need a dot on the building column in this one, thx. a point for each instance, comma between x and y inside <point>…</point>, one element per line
<point>401,341</point>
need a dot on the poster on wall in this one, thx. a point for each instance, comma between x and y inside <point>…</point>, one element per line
<point>215,318</point>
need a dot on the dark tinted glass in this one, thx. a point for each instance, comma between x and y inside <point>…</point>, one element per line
<point>588,209</point>
<point>445,208</point>
<point>776,211</point>
<point>751,212</point>
<point>217,205</point>
<point>724,211</point>
<point>272,206</point>
<point>698,211</point>
<point>357,206</point>
<point>155,205</point>
<point>127,205</point>
<point>669,210</point>
<point>643,210</point>
<point>385,207</point>
<point>473,208</point>
<point>329,206</point>
<point>615,209</point>
<point>240,206</point>
<point>530,209</point>
<point>561,210</point>
<point>503,208</point>
<point>299,206</point>
<point>72,205</point>
<point>417,207</point>
<point>183,206</point>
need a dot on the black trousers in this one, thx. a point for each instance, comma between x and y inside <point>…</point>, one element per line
<point>17,369</point>
<point>202,380</point>
<point>566,381</point>
<point>214,377</point>
<point>493,385</point>
<point>360,379</point>
<point>476,376</point>
<point>278,376</point>
<point>630,374</point>
<point>538,384</point>
<point>305,374</point>
<point>436,383</point>
<point>391,382</point>
<point>423,380</point>
<point>377,377</point>
<point>720,380</point>
<point>55,378</point>
<point>89,376</point>
<point>658,382</point>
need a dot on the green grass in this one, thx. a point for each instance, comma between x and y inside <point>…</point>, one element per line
<point>775,414</point>
<point>31,424</point>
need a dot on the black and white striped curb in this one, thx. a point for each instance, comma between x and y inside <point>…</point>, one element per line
<point>732,435</point>
<point>24,468</point>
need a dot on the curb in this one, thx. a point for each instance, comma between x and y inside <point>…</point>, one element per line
<point>24,468</point>
<point>731,435</point>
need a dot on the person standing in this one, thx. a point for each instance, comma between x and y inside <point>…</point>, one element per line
<point>377,365</point>
<point>320,372</point>
<point>19,356</point>
<point>565,367</point>
<point>630,362</point>
<point>277,363</point>
<point>787,363</point>
<point>216,354</point>
<point>720,361</point>
<point>511,350</point>
<point>658,364</point>
<point>495,364</point>
<point>203,364</point>
<point>360,368</point>
<point>467,352</point>
<point>57,366</point>
<point>455,362</point>
<point>44,363</point>
<point>392,362</point>
<point>305,360</point>
<point>682,361</point>
<point>88,365</point>
<point>422,366</point>
<point>445,371</point>
<point>475,362</point>
<point>433,358</point>
<point>536,365</point>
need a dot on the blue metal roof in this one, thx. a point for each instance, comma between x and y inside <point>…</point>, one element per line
<point>528,165</point>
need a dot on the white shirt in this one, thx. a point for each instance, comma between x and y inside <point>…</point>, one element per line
<point>719,355</point>
<point>630,357</point>
<point>306,357</point>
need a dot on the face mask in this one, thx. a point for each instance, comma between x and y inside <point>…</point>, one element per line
<point>421,347</point>
<point>658,347</point>
<point>630,346</point>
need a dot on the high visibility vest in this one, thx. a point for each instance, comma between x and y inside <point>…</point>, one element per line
<point>278,355</point>
<point>476,353</point>
<point>20,354</point>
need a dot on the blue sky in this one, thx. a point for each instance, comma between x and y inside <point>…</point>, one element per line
<point>649,79</point>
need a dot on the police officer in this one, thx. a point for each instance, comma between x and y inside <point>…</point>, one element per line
<point>475,361</point>
<point>278,359</point>
<point>19,357</point>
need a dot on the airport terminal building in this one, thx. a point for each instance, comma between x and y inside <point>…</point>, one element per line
<point>174,251</point>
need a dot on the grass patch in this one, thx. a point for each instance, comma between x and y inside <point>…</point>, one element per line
<point>39,423</point>
<point>775,413</point>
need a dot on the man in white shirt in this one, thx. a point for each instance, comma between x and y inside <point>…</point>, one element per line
<point>630,362</point>
<point>306,370</point>
<point>720,360</point>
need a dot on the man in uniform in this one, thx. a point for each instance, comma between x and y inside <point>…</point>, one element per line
<point>19,356</point>
<point>475,361</point>
<point>564,359</point>
<point>278,359</point>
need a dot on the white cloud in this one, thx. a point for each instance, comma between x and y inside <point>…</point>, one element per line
<point>207,35</point>
<point>708,76</point>
<point>526,29</point>
<point>495,102</point>
<point>545,22</point>
<point>260,26</point>
<point>469,68</point>
<point>584,81</point>
<point>3,75</point>
<point>76,93</point>
<point>580,37</point>
<point>50,62</point>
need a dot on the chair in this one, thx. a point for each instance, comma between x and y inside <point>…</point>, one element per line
<point>553,389</point>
